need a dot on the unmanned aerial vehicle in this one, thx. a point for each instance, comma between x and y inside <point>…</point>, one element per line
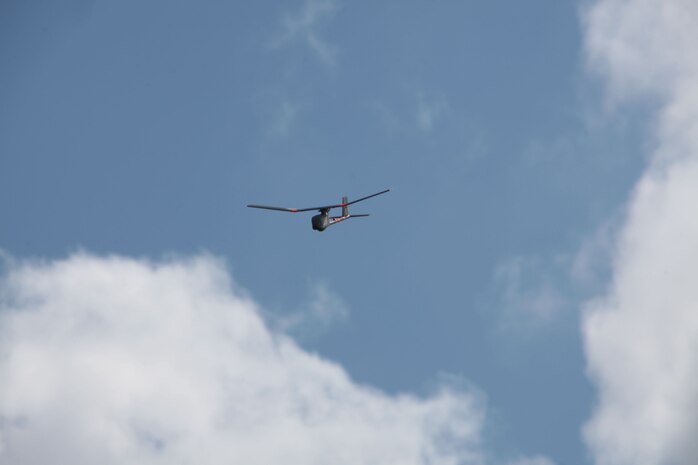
<point>323,220</point>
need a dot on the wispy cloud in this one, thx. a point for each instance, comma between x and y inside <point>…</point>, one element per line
<point>429,110</point>
<point>322,309</point>
<point>283,119</point>
<point>641,338</point>
<point>304,26</point>
<point>590,265</point>
<point>532,461</point>
<point>530,296</point>
<point>419,110</point>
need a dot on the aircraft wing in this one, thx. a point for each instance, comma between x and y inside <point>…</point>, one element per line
<point>326,207</point>
<point>281,209</point>
<point>294,210</point>
<point>364,198</point>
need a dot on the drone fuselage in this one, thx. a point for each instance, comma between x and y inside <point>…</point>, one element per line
<point>321,221</point>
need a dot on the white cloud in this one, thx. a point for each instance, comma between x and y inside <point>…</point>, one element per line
<point>113,360</point>
<point>304,26</point>
<point>642,46</point>
<point>641,339</point>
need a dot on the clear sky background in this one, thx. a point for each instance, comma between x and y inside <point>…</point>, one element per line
<point>511,134</point>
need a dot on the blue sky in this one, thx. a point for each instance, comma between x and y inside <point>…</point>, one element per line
<point>142,129</point>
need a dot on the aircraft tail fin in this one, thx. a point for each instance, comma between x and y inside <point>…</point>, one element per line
<point>345,207</point>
